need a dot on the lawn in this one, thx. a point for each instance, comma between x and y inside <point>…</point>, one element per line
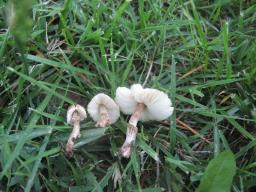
<point>54,53</point>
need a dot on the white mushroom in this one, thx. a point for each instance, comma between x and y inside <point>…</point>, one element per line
<point>103,110</point>
<point>75,114</point>
<point>144,105</point>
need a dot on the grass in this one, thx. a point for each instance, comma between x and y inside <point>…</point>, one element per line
<point>55,53</point>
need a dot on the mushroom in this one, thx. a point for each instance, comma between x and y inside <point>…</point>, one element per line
<point>143,105</point>
<point>103,110</point>
<point>75,114</point>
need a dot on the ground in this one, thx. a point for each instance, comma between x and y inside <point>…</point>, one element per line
<point>56,53</point>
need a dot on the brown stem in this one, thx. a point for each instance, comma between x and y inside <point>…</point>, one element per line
<point>131,132</point>
<point>104,117</point>
<point>75,132</point>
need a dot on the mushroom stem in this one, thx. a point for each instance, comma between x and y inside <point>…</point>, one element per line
<point>136,115</point>
<point>75,132</point>
<point>104,117</point>
<point>132,131</point>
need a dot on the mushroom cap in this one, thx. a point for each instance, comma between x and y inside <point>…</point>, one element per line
<point>106,101</point>
<point>158,104</point>
<point>74,108</point>
<point>125,100</point>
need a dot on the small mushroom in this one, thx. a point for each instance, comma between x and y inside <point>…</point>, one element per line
<point>75,114</point>
<point>103,110</point>
<point>144,105</point>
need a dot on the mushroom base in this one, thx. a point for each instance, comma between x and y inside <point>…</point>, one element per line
<point>131,133</point>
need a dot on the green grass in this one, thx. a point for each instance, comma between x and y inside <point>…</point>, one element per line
<point>55,53</point>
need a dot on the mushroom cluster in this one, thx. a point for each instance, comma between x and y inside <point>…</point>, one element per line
<point>143,104</point>
<point>101,108</point>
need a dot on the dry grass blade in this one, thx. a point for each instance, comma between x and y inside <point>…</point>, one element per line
<point>194,70</point>
<point>187,127</point>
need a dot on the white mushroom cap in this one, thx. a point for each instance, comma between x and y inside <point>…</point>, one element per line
<point>125,100</point>
<point>107,102</point>
<point>158,104</point>
<point>77,108</point>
